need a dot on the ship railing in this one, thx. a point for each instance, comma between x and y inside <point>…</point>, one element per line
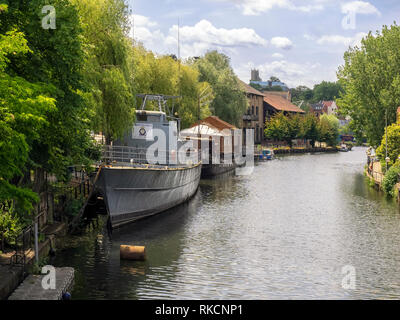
<point>126,156</point>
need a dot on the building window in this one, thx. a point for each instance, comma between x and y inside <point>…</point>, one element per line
<point>252,109</point>
<point>257,111</point>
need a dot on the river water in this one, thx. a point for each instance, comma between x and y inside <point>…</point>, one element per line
<point>298,227</point>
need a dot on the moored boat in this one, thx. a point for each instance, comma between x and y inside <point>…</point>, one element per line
<point>213,135</point>
<point>139,178</point>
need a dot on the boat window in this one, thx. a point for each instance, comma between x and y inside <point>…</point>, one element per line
<point>147,118</point>
<point>153,118</point>
<point>141,117</point>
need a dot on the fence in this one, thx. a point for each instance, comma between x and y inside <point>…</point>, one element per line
<point>24,244</point>
<point>50,208</point>
<point>123,156</point>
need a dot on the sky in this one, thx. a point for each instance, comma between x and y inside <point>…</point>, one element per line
<point>302,42</point>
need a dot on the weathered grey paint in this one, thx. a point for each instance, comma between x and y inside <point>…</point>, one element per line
<point>134,193</point>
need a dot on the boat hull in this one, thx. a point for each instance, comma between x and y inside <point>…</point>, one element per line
<point>210,170</point>
<point>131,193</point>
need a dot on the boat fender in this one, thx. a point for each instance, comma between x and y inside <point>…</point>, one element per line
<point>132,252</point>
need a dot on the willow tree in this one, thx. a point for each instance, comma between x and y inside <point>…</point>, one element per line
<point>108,76</point>
<point>370,78</point>
<point>166,75</point>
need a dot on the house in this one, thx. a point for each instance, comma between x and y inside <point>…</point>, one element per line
<point>327,107</point>
<point>275,103</point>
<point>254,116</point>
<point>317,109</point>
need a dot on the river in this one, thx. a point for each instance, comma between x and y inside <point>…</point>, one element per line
<point>289,230</point>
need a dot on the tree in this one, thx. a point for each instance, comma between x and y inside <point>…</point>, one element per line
<point>229,103</point>
<point>274,79</point>
<point>301,93</point>
<point>108,73</point>
<point>54,62</point>
<point>276,128</point>
<point>165,75</point>
<point>370,77</point>
<point>24,108</point>
<point>283,128</point>
<point>393,145</point>
<point>328,129</point>
<point>309,128</point>
<point>327,91</point>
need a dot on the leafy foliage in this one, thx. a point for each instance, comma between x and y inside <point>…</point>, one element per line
<point>370,77</point>
<point>329,129</point>
<point>107,75</point>
<point>390,180</point>
<point>229,103</point>
<point>327,91</point>
<point>54,62</point>
<point>10,226</point>
<point>393,146</point>
<point>287,128</point>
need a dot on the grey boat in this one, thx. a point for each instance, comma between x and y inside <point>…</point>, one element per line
<point>138,178</point>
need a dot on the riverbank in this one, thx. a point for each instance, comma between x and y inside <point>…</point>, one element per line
<point>295,150</point>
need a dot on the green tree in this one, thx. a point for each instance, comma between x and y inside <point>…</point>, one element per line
<point>328,129</point>
<point>107,71</point>
<point>327,91</point>
<point>229,103</point>
<point>283,128</point>
<point>390,179</point>
<point>55,60</point>
<point>393,145</point>
<point>370,77</point>
<point>274,79</point>
<point>165,75</point>
<point>24,111</point>
<point>309,128</point>
<point>301,93</point>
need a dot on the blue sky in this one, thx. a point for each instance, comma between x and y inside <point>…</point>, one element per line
<point>302,42</point>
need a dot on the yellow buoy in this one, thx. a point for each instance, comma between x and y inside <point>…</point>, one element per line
<point>132,252</point>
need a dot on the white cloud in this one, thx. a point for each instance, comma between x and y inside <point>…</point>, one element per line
<point>142,21</point>
<point>359,7</point>
<point>194,40</point>
<point>293,74</point>
<point>277,56</point>
<point>203,36</point>
<point>257,7</point>
<point>146,31</point>
<point>282,43</point>
<point>342,40</point>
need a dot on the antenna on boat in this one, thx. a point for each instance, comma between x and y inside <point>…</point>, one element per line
<point>179,59</point>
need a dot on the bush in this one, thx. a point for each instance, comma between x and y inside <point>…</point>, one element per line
<point>393,145</point>
<point>10,226</point>
<point>390,180</point>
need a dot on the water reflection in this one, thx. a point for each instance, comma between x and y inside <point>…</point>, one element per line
<point>284,232</point>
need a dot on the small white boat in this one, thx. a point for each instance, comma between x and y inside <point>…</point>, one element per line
<point>343,148</point>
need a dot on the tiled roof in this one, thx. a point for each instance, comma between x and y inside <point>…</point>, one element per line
<point>317,106</point>
<point>249,89</point>
<point>217,123</point>
<point>281,104</point>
